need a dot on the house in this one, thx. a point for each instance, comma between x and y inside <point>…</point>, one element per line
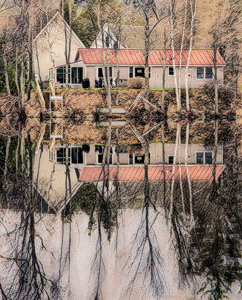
<point>49,46</point>
<point>128,37</point>
<point>88,64</point>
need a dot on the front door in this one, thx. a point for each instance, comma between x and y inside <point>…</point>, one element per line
<point>140,72</point>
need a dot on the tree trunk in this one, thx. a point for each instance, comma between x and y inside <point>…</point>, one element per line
<point>163,163</point>
<point>216,142</point>
<point>53,61</point>
<point>164,73</point>
<point>62,8</point>
<point>216,79</point>
<point>181,185</point>
<point>106,76</point>
<point>193,13</point>
<point>6,74</point>
<point>172,4</point>
<point>108,85</point>
<point>117,174</point>
<point>173,172</point>
<point>68,51</point>
<point>22,80</point>
<point>22,149</point>
<point>146,175</point>
<point>147,48</point>
<point>188,174</point>
<point>182,45</point>
<point>118,76</point>
<point>235,93</point>
<point>30,62</point>
<point>37,59</point>
<point>16,159</point>
<point>6,158</point>
<point>16,70</point>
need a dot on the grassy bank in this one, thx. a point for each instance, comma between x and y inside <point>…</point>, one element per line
<point>202,100</point>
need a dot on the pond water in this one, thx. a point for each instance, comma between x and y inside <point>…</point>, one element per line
<point>120,209</point>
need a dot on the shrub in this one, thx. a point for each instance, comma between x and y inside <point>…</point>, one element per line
<point>136,83</point>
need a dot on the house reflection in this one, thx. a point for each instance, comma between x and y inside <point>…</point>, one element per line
<point>85,165</point>
<point>86,155</point>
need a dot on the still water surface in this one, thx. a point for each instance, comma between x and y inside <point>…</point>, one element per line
<point>120,210</point>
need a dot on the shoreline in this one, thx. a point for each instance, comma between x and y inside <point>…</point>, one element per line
<point>82,102</point>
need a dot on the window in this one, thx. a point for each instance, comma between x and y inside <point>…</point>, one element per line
<point>140,72</point>
<point>110,72</point>
<point>200,72</point>
<point>199,157</point>
<point>80,75</point>
<point>61,156</point>
<point>139,159</point>
<point>107,41</point>
<point>100,158</point>
<point>208,157</point>
<point>149,71</point>
<point>204,157</point>
<point>170,160</point>
<point>61,74</point>
<point>77,75</point>
<point>76,155</point>
<point>51,155</point>
<point>131,72</point>
<point>51,74</point>
<point>171,71</point>
<point>74,75</point>
<point>100,149</point>
<point>208,73</point>
<point>100,72</point>
<point>131,161</point>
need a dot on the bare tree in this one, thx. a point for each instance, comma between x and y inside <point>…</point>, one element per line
<point>181,185</point>
<point>193,7</point>
<point>172,16</point>
<point>16,70</point>
<point>29,279</point>
<point>146,262</point>
<point>181,50</point>
<point>68,37</point>
<point>6,73</point>
<point>164,73</point>
<point>152,15</point>
<point>178,132</point>
<point>188,174</point>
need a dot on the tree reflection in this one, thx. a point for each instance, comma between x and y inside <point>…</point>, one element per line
<point>203,221</point>
<point>145,262</point>
<point>218,228</point>
<point>28,277</point>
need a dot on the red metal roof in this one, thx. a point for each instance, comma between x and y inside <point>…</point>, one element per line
<point>155,173</point>
<point>95,56</point>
